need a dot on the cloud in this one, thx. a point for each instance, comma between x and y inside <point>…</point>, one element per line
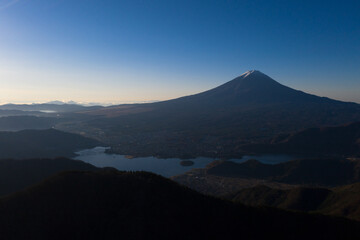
<point>7,3</point>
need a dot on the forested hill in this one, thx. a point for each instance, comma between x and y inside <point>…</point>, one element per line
<point>340,201</point>
<point>42,144</point>
<point>16,175</point>
<point>340,140</point>
<point>318,172</point>
<point>113,205</point>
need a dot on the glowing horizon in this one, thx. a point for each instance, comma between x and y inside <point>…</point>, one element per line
<point>134,51</point>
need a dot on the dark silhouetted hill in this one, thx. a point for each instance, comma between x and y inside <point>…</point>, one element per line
<point>341,201</point>
<point>324,172</point>
<point>344,201</point>
<point>342,140</point>
<point>17,123</point>
<point>302,199</point>
<point>16,175</point>
<point>42,144</point>
<point>140,205</point>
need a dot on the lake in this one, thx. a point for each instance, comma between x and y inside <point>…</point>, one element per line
<point>165,167</point>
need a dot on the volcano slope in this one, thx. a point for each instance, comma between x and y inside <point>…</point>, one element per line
<point>217,123</point>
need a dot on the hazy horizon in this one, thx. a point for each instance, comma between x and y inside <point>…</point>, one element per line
<point>134,51</point>
<point>109,103</point>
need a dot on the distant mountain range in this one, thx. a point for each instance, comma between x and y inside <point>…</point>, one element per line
<point>249,109</point>
<point>55,106</point>
<point>5,113</point>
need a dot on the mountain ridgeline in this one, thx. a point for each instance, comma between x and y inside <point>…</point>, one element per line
<point>52,107</point>
<point>23,122</point>
<point>47,143</point>
<point>341,140</point>
<point>318,172</point>
<point>251,108</point>
<point>139,205</point>
<point>251,89</point>
<point>16,175</point>
<point>222,178</point>
<point>340,201</point>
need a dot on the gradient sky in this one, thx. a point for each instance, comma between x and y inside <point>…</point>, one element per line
<point>123,51</point>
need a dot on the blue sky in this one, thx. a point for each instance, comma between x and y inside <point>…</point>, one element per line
<point>123,51</point>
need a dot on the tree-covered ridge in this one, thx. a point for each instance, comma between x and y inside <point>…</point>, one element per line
<point>340,201</point>
<point>47,143</point>
<point>16,175</point>
<point>138,205</point>
<point>318,172</point>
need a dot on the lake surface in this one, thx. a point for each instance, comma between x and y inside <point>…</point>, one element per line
<point>165,167</point>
